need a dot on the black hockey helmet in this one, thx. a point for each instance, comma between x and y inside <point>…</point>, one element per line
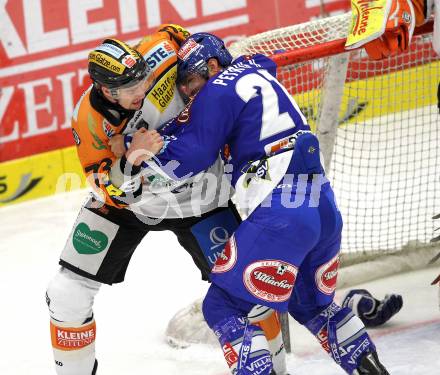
<point>114,64</point>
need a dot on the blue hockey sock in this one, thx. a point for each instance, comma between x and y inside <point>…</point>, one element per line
<point>244,346</point>
<point>342,334</point>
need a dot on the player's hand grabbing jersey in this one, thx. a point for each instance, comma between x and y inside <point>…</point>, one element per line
<point>95,122</point>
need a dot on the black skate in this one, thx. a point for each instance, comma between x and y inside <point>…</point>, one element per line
<point>370,365</point>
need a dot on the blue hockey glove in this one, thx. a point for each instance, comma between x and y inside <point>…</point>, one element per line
<point>370,310</point>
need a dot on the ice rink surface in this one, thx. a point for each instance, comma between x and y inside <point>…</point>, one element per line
<point>132,317</point>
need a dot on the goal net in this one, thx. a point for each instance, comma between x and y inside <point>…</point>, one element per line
<point>378,124</point>
<point>379,129</point>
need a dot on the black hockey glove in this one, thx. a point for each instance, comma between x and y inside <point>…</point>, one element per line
<point>370,310</point>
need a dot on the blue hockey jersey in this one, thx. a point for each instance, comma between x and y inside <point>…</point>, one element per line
<point>246,108</point>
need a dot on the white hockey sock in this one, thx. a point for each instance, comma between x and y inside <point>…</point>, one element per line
<point>267,319</point>
<point>73,347</point>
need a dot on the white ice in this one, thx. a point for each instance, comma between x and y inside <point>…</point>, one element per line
<point>161,279</point>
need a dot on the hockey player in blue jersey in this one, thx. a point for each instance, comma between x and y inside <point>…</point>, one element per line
<point>285,254</point>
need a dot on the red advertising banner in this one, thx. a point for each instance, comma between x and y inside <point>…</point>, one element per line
<point>44,46</point>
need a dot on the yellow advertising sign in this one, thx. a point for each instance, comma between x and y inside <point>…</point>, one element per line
<point>40,175</point>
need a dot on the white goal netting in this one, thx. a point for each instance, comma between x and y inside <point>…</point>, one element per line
<point>385,155</point>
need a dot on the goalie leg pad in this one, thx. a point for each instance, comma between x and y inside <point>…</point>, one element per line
<point>342,334</point>
<point>244,346</point>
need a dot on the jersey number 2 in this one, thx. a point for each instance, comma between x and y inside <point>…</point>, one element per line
<point>272,122</point>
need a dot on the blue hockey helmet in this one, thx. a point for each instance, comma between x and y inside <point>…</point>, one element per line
<point>195,53</point>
